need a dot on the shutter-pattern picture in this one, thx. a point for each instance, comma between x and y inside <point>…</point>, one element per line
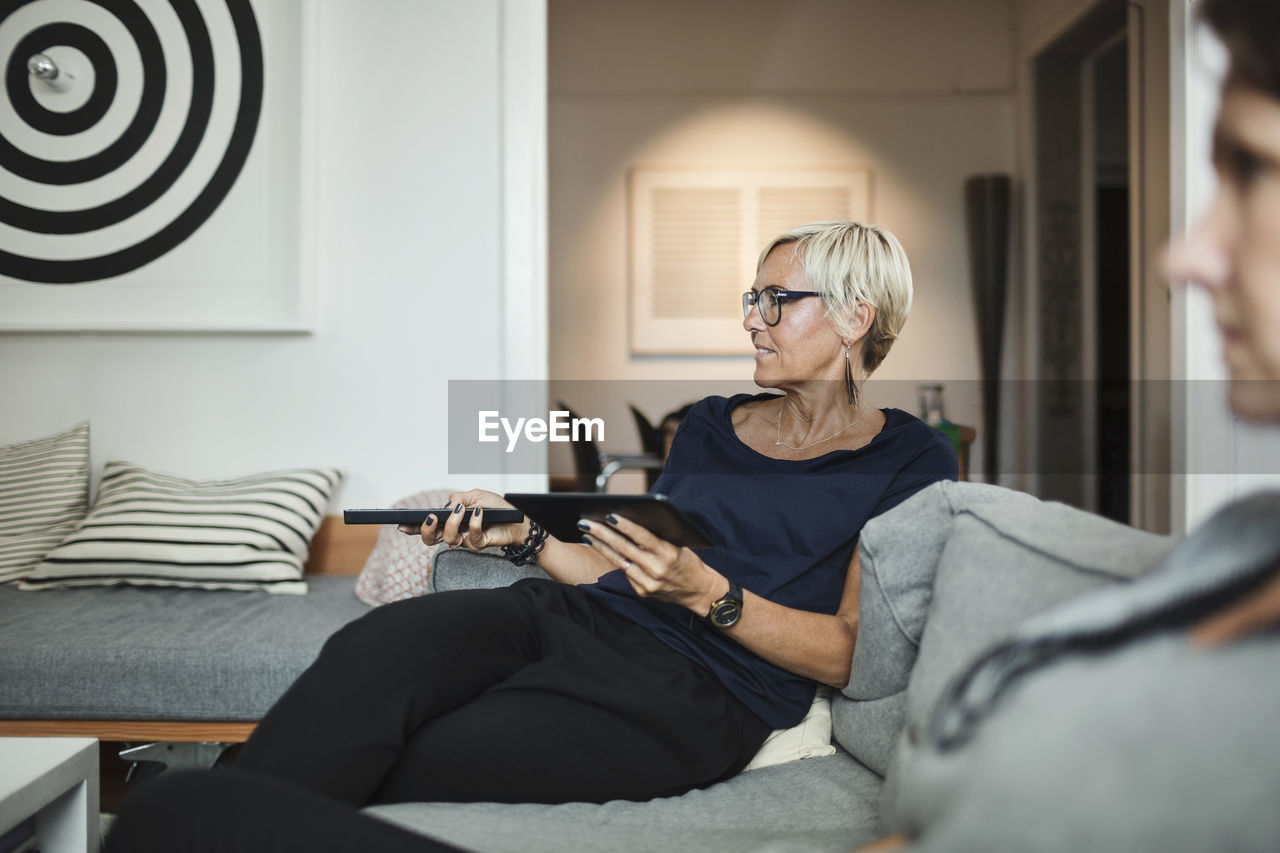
<point>695,236</point>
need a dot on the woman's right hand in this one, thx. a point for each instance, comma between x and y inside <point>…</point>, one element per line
<point>475,536</point>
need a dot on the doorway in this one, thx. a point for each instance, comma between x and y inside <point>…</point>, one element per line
<point>1107,242</point>
<point>1099,361</point>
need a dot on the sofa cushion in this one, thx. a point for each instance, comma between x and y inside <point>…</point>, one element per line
<point>161,654</point>
<point>825,804</point>
<point>900,551</point>
<point>44,494</point>
<point>1002,565</point>
<point>899,558</point>
<point>869,728</point>
<point>459,568</point>
<point>1000,569</point>
<point>150,529</point>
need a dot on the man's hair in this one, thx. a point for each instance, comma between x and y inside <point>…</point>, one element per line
<point>1250,30</point>
<point>850,263</point>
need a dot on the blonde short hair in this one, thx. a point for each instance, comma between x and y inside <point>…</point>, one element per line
<point>850,263</point>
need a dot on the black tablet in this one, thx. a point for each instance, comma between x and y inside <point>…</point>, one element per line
<point>559,512</point>
<point>417,516</point>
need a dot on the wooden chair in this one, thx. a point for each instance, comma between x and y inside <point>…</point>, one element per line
<point>593,468</point>
<point>650,444</point>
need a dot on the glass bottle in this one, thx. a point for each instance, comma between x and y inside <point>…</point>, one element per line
<point>933,412</point>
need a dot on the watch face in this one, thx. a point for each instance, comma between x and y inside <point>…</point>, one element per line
<point>725,613</point>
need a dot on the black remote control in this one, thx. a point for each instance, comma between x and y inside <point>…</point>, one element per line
<point>417,516</point>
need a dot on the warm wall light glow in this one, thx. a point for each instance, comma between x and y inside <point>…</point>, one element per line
<point>916,133</point>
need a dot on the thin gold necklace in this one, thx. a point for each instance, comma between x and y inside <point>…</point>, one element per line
<point>778,439</point>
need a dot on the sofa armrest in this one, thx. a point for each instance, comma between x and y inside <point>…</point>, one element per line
<point>459,568</point>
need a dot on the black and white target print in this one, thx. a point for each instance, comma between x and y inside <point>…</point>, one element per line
<point>137,139</point>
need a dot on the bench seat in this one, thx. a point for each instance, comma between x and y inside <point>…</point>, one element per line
<point>175,655</point>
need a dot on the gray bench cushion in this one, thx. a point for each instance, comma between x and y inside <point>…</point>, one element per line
<point>161,654</point>
<point>826,803</point>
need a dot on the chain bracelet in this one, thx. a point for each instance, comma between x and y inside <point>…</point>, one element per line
<point>534,542</point>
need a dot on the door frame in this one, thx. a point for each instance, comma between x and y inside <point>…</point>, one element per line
<point>523,164</point>
<point>1150,362</point>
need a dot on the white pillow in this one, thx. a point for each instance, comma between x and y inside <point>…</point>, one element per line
<point>149,529</point>
<point>44,493</point>
<point>810,739</point>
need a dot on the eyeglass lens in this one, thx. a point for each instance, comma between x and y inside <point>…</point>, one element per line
<point>768,302</point>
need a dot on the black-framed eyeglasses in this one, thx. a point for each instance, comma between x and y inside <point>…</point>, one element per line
<point>770,300</point>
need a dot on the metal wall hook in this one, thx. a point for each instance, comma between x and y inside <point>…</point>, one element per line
<point>42,67</point>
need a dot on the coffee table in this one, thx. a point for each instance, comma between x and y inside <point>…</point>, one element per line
<point>54,780</point>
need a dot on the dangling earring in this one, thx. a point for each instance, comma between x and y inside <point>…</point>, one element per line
<point>850,390</point>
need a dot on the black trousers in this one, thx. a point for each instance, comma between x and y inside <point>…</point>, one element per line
<point>234,812</point>
<point>532,693</point>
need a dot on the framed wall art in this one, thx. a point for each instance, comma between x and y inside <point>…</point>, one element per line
<point>152,162</point>
<point>696,234</point>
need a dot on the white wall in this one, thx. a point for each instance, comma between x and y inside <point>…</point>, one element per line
<point>919,91</point>
<point>408,266</point>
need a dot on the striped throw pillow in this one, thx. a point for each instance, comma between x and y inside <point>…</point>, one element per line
<point>150,529</point>
<point>44,494</point>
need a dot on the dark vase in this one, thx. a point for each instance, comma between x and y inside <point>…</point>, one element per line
<point>986,200</point>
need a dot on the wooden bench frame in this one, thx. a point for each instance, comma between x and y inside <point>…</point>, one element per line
<point>337,549</point>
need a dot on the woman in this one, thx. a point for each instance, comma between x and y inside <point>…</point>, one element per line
<point>1143,718</point>
<point>613,668</point>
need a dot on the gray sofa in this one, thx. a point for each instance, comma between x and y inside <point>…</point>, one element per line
<point>1000,557</point>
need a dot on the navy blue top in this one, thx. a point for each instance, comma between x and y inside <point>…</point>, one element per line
<point>786,531</point>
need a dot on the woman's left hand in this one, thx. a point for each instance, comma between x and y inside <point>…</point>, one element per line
<point>654,567</point>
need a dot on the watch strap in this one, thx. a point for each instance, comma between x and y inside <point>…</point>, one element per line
<point>732,597</point>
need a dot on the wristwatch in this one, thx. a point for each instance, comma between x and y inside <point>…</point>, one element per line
<point>726,612</point>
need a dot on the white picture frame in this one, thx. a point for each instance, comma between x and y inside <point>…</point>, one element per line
<point>249,266</point>
<point>695,236</point>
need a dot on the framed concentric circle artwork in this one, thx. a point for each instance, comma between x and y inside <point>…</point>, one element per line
<point>151,163</point>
